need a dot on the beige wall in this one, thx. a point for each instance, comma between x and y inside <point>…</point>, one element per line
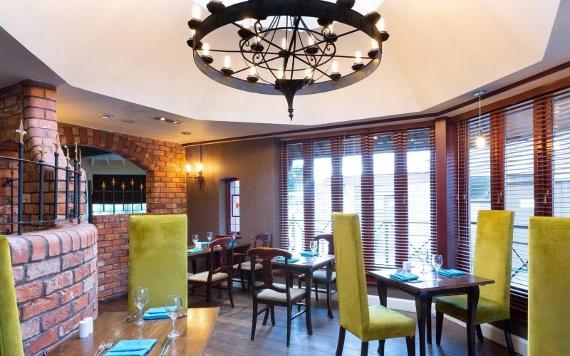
<point>256,164</point>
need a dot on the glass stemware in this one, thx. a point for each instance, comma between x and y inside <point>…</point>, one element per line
<point>314,247</point>
<point>173,305</point>
<point>210,236</point>
<point>140,298</point>
<point>195,239</point>
<point>437,262</point>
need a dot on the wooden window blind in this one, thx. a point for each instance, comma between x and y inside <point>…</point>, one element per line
<point>382,177</point>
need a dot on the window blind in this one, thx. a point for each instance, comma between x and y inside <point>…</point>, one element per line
<point>561,154</point>
<point>382,177</point>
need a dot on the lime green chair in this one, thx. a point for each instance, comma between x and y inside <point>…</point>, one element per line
<point>493,259</point>
<point>158,257</point>
<point>548,287</point>
<point>10,336</point>
<point>366,322</point>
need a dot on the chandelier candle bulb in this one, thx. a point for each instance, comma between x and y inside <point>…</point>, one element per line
<point>358,65</point>
<point>196,12</point>
<point>374,49</point>
<point>227,68</point>
<point>381,25</point>
<point>284,43</point>
<point>206,53</point>
<point>252,76</point>
<point>335,75</point>
<point>257,46</point>
<point>311,48</point>
<point>280,74</point>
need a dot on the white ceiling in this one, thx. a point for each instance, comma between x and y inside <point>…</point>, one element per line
<point>134,56</point>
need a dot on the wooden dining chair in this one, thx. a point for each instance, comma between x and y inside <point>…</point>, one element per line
<point>10,334</point>
<point>243,268</point>
<point>493,256</point>
<point>366,322</point>
<point>272,294</point>
<point>220,262</point>
<point>320,276</point>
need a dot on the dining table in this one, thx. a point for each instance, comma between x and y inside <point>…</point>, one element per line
<point>307,265</point>
<point>204,251</point>
<point>195,326</point>
<point>427,287</point>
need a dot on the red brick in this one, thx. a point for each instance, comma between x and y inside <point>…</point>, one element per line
<point>39,247</point>
<point>54,245</point>
<point>19,249</point>
<point>34,91</point>
<point>71,293</point>
<point>43,341</point>
<point>81,272</point>
<point>58,282</point>
<point>80,303</point>
<point>39,103</point>
<point>54,317</point>
<point>71,259</point>
<point>30,328</point>
<point>39,306</point>
<point>28,291</point>
<point>43,268</point>
<point>70,325</point>
<point>19,273</point>
<point>66,243</point>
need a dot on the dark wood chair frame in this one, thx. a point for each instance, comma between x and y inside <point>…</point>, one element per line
<point>260,240</point>
<point>328,286</point>
<point>266,255</point>
<point>220,260</point>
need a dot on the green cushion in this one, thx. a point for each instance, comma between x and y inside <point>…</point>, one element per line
<point>487,311</point>
<point>493,259</point>
<point>10,336</point>
<point>549,287</point>
<point>158,257</point>
<point>375,323</point>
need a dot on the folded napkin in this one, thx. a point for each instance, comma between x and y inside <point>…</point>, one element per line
<point>309,253</point>
<point>156,313</point>
<point>281,259</point>
<point>403,276</point>
<point>195,249</point>
<point>138,347</point>
<point>451,272</point>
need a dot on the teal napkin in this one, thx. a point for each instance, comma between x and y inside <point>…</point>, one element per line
<point>195,249</point>
<point>309,253</point>
<point>451,272</point>
<point>132,347</point>
<point>156,313</point>
<point>281,259</point>
<point>403,276</point>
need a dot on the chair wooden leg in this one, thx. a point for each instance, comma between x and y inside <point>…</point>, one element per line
<point>438,326</point>
<point>340,343</point>
<point>381,344</point>
<point>208,293</point>
<point>300,283</point>
<point>242,280</point>
<point>254,320</point>
<point>479,333</point>
<point>230,292</point>
<point>219,292</point>
<point>329,309</point>
<point>364,348</point>
<point>289,324</point>
<point>428,322</point>
<point>316,291</point>
<point>265,316</point>
<point>272,315</point>
<point>508,338</point>
<point>411,345</point>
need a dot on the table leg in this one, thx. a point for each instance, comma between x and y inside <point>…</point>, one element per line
<point>329,277</point>
<point>421,307</point>
<point>308,284</point>
<point>428,320</point>
<point>382,293</point>
<point>193,263</point>
<point>472,300</point>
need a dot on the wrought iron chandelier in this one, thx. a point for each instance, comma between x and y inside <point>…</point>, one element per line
<point>281,52</point>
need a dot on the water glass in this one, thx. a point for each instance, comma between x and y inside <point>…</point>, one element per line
<point>195,239</point>
<point>437,262</point>
<point>314,247</point>
<point>173,305</point>
<point>140,298</point>
<point>210,236</point>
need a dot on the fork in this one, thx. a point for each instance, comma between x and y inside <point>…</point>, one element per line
<point>103,346</point>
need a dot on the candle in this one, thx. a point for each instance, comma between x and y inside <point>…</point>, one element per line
<point>284,43</point>
<point>192,33</point>
<point>334,66</point>
<point>311,40</point>
<point>280,73</point>
<point>331,28</point>
<point>257,39</point>
<point>227,62</point>
<point>196,12</point>
<point>357,57</point>
<point>252,71</point>
<point>373,44</point>
<point>205,49</point>
<point>381,25</point>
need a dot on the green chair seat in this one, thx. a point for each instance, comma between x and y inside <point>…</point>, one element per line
<point>386,323</point>
<point>10,335</point>
<point>487,310</point>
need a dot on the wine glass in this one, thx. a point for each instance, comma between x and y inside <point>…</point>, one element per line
<point>210,236</point>
<point>140,298</point>
<point>314,246</point>
<point>173,305</point>
<point>437,262</point>
<point>195,239</point>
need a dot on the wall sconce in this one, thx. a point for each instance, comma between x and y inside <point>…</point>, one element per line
<point>198,177</point>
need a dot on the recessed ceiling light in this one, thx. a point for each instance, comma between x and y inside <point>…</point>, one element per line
<point>106,116</point>
<point>176,122</point>
<point>162,118</point>
<point>129,121</point>
<point>186,133</point>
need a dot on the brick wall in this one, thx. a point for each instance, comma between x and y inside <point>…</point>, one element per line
<point>113,255</point>
<point>56,282</point>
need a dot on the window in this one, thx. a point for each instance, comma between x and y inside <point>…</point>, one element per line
<point>561,154</point>
<point>232,206</point>
<point>361,174</point>
<point>118,194</point>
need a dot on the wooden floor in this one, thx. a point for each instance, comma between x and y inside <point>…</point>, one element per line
<point>231,334</point>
